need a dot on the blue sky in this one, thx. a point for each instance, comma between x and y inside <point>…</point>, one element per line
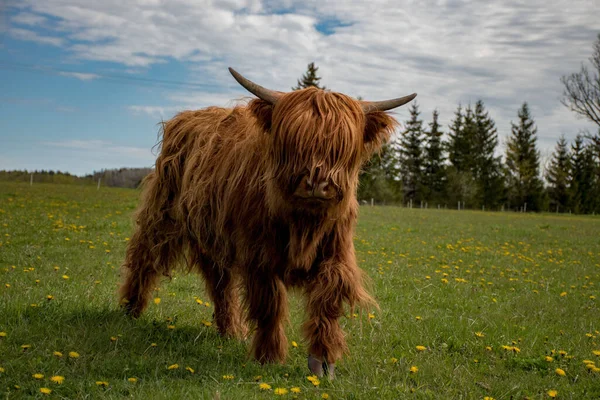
<point>84,84</point>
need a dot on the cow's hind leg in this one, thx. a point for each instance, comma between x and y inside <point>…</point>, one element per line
<point>266,297</point>
<point>151,253</point>
<point>223,289</point>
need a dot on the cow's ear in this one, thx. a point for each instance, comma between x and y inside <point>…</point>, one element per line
<point>379,127</point>
<point>263,111</point>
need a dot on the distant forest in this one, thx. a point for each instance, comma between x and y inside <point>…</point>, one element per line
<point>122,177</point>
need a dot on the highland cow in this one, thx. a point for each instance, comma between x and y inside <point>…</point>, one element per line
<point>258,199</point>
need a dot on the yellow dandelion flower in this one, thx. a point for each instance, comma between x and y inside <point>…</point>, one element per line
<point>65,277</point>
<point>57,354</point>
<point>57,379</point>
<point>264,386</point>
<point>295,389</point>
<point>25,346</point>
<point>549,359</point>
<point>414,369</point>
<point>157,300</point>
<point>421,348</point>
<point>488,398</point>
<point>153,345</point>
<point>171,327</point>
<point>590,366</point>
<point>2,334</point>
<point>1,370</point>
<point>371,316</point>
<point>324,396</point>
<point>173,366</point>
<point>190,370</point>
<point>280,391</point>
<point>418,318</point>
<point>552,393</point>
<point>45,390</point>
<point>560,372</point>
<point>207,323</point>
<point>49,297</point>
<point>294,344</point>
<point>38,376</point>
<point>563,294</point>
<point>73,354</point>
<point>488,348</point>
<point>314,380</point>
<point>132,380</point>
<point>596,352</point>
<point>102,383</point>
<point>479,334</point>
<point>393,360</point>
<point>199,301</point>
<point>228,377</point>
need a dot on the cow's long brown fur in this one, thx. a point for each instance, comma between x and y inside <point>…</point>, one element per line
<point>220,201</point>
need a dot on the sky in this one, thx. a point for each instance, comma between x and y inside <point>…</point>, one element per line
<point>84,84</point>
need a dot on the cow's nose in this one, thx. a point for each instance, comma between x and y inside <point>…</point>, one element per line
<point>321,189</point>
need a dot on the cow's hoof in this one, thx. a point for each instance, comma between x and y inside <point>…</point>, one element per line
<point>319,368</point>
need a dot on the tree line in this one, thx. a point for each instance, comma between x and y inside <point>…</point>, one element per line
<point>122,177</point>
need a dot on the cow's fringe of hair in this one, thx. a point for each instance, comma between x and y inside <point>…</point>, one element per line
<point>219,202</point>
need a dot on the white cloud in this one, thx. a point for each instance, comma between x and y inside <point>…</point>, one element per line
<point>101,147</point>
<point>27,18</point>
<point>31,36</point>
<point>447,51</point>
<point>80,75</point>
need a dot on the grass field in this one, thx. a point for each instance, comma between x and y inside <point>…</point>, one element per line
<point>473,305</point>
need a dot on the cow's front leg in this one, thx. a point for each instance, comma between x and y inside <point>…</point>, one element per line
<point>322,329</point>
<point>266,297</point>
<point>336,282</point>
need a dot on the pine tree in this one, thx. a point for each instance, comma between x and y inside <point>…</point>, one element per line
<point>434,171</point>
<point>558,177</point>
<point>310,78</point>
<point>582,177</point>
<point>486,165</point>
<point>460,146</point>
<point>594,146</point>
<point>410,150</point>
<point>522,164</point>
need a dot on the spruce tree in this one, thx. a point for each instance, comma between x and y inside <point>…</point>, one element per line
<point>582,177</point>
<point>434,171</point>
<point>557,176</point>
<point>486,165</point>
<point>522,164</point>
<point>310,78</point>
<point>410,147</point>
<point>460,147</point>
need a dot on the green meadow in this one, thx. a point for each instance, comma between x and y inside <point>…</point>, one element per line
<point>473,305</point>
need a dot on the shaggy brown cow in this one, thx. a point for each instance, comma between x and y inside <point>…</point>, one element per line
<point>261,198</point>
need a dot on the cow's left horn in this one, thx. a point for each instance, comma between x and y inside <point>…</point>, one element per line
<point>263,93</point>
<point>371,106</point>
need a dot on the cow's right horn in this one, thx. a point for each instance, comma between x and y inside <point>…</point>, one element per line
<point>262,93</point>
